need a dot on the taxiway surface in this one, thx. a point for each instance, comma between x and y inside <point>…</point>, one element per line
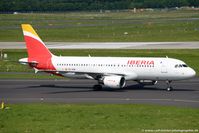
<point>107,45</point>
<point>185,94</point>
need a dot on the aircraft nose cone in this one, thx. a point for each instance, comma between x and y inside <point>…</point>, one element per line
<point>192,73</point>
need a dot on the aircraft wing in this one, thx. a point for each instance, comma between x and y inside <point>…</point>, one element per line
<point>90,75</point>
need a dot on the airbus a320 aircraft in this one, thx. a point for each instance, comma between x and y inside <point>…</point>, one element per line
<point>111,72</point>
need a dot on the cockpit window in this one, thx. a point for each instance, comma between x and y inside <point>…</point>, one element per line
<point>180,65</point>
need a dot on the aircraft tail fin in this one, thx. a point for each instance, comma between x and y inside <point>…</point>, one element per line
<point>35,46</point>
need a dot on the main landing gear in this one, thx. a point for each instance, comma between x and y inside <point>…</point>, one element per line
<point>169,87</point>
<point>97,87</point>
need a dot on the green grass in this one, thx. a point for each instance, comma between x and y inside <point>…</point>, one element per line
<point>105,27</point>
<point>190,56</point>
<point>89,118</point>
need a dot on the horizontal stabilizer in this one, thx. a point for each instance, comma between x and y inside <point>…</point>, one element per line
<point>25,61</point>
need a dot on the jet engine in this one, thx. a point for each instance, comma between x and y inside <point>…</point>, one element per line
<point>114,81</point>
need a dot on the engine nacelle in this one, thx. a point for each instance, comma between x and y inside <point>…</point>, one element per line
<point>114,81</point>
<point>147,82</point>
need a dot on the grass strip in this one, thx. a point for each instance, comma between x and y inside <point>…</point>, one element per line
<point>91,118</point>
<point>146,26</point>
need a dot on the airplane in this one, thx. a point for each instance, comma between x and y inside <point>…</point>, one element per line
<point>112,72</point>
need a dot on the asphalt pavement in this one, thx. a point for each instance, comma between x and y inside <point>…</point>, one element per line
<point>185,93</point>
<point>107,45</point>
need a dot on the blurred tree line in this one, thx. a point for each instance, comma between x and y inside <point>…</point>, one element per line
<point>85,5</point>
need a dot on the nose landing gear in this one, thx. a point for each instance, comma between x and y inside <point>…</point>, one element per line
<point>169,87</point>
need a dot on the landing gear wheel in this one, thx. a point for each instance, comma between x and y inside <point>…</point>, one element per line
<point>169,89</point>
<point>97,87</point>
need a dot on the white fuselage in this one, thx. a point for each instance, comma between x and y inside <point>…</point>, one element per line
<point>130,68</point>
<point>109,71</point>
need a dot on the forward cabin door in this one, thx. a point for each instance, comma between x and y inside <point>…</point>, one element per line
<point>163,67</point>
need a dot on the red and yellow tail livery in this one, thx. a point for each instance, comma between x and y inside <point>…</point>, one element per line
<point>38,53</point>
<point>35,46</point>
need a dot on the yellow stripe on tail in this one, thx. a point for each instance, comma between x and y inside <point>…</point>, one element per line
<point>28,28</point>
